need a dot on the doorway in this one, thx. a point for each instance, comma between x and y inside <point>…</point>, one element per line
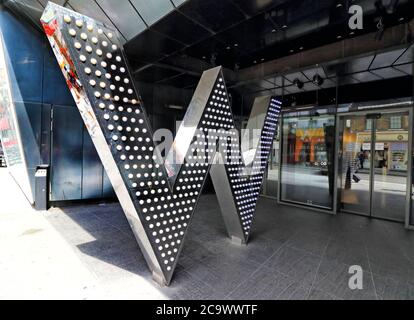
<point>374,164</point>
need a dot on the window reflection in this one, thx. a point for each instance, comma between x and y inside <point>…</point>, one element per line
<point>307,160</point>
<point>270,186</point>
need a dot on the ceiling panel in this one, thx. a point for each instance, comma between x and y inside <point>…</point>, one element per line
<point>277,81</point>
<point>154,74</point>
<point>177,3</point>
<point>365,76</point>
<point>310,73</point>
<point>124,16</point>
<point>267,84</point>
<point>182,81</point>
<point>263,84</point>
<point>44,2</point>
<point>152,10</point>
<point>297,75</point>
<point>249,88</point>
<point>328,83</point>
<point>277,92</point>
<point>294,89</point>
<point>253,7</point>
<point>32,4</point>
<point>150,46</point>
<point>406,68</point>
<point>250,35</point>
<point>359,64</point>
<point>347,80</point>
<point>388,73</point>
<point>92,9</point>
<point>407,57</point>
<point>309,86</point>
<point>386,59</point>
<point>206,48</point>
<point>31,8</point>
<point>215,15</point>
<point>177,26</point>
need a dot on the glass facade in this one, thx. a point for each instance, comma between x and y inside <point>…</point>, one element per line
<point>374,164</point>
<point>345,146</point>
<point>271,184</point>
<point>307,174</point>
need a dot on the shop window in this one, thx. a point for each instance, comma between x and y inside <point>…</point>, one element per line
<point>395,122</point>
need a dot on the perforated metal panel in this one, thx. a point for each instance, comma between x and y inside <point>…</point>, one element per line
<point>160,198</point>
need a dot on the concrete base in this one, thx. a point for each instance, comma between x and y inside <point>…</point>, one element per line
<point>238,241</point>
<point>159,279</point>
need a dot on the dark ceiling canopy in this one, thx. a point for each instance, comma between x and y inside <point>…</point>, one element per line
<point>173,41</point>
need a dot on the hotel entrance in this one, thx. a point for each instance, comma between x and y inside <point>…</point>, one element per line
<point>374,164</point>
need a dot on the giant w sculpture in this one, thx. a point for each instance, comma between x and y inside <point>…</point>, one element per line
<point>159,198</point>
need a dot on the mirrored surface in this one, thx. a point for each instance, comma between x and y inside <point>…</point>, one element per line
<point>390,166</point>
<point>355,164</point>
<point>374,164</point>
<point>270,185</point>
<point>307,164</point>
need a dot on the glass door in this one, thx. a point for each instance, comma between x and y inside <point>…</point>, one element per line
<point>390,166</point>
<point>356,137</point>
<point>374,160</point>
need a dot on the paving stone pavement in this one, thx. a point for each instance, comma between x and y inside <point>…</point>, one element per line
<point>89,251</point>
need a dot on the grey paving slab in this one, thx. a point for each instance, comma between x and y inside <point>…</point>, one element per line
<point>333,278</point>
<point>293,253</point>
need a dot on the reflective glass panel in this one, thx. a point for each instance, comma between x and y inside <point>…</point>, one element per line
<point>307,160</point>
<point>390,166</point>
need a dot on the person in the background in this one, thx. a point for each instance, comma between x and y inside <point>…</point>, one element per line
<point>361,158</point>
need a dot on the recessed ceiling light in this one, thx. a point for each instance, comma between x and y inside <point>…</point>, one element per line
<point>291,50</point>
<point>254,61</point>
<point>301,48</point>
<point>284,26</point>
<point>228,48</point>
<point>401,19</point>
<point>236,44</point>
<point>339,5</point>
<point>352,33</point>
<point>262,59</point>
<point>339,37</point>
<point>273,30</point>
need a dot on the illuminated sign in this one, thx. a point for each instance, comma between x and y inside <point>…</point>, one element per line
<point>159,196</point>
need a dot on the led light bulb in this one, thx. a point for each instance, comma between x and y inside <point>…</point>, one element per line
<point>67,19</point>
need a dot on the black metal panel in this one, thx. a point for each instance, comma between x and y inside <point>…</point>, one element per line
<point>215,15</point>
<point>107,190</point>
<point>152,11</point>
<point>26,69</point>
<point>181,81</point>
<point>178,27</point>
<point>92,170</point>
<point>151,46</point>
<point>250,35</point>
<point>67,158</point>
<point>124,16</point>
<point>154,74</point>
<point>253,7</point>
<point>30,117</point>
<point>55,89</point>
<point>45,139</point>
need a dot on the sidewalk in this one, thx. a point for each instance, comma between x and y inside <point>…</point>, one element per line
<point>36,262</point>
